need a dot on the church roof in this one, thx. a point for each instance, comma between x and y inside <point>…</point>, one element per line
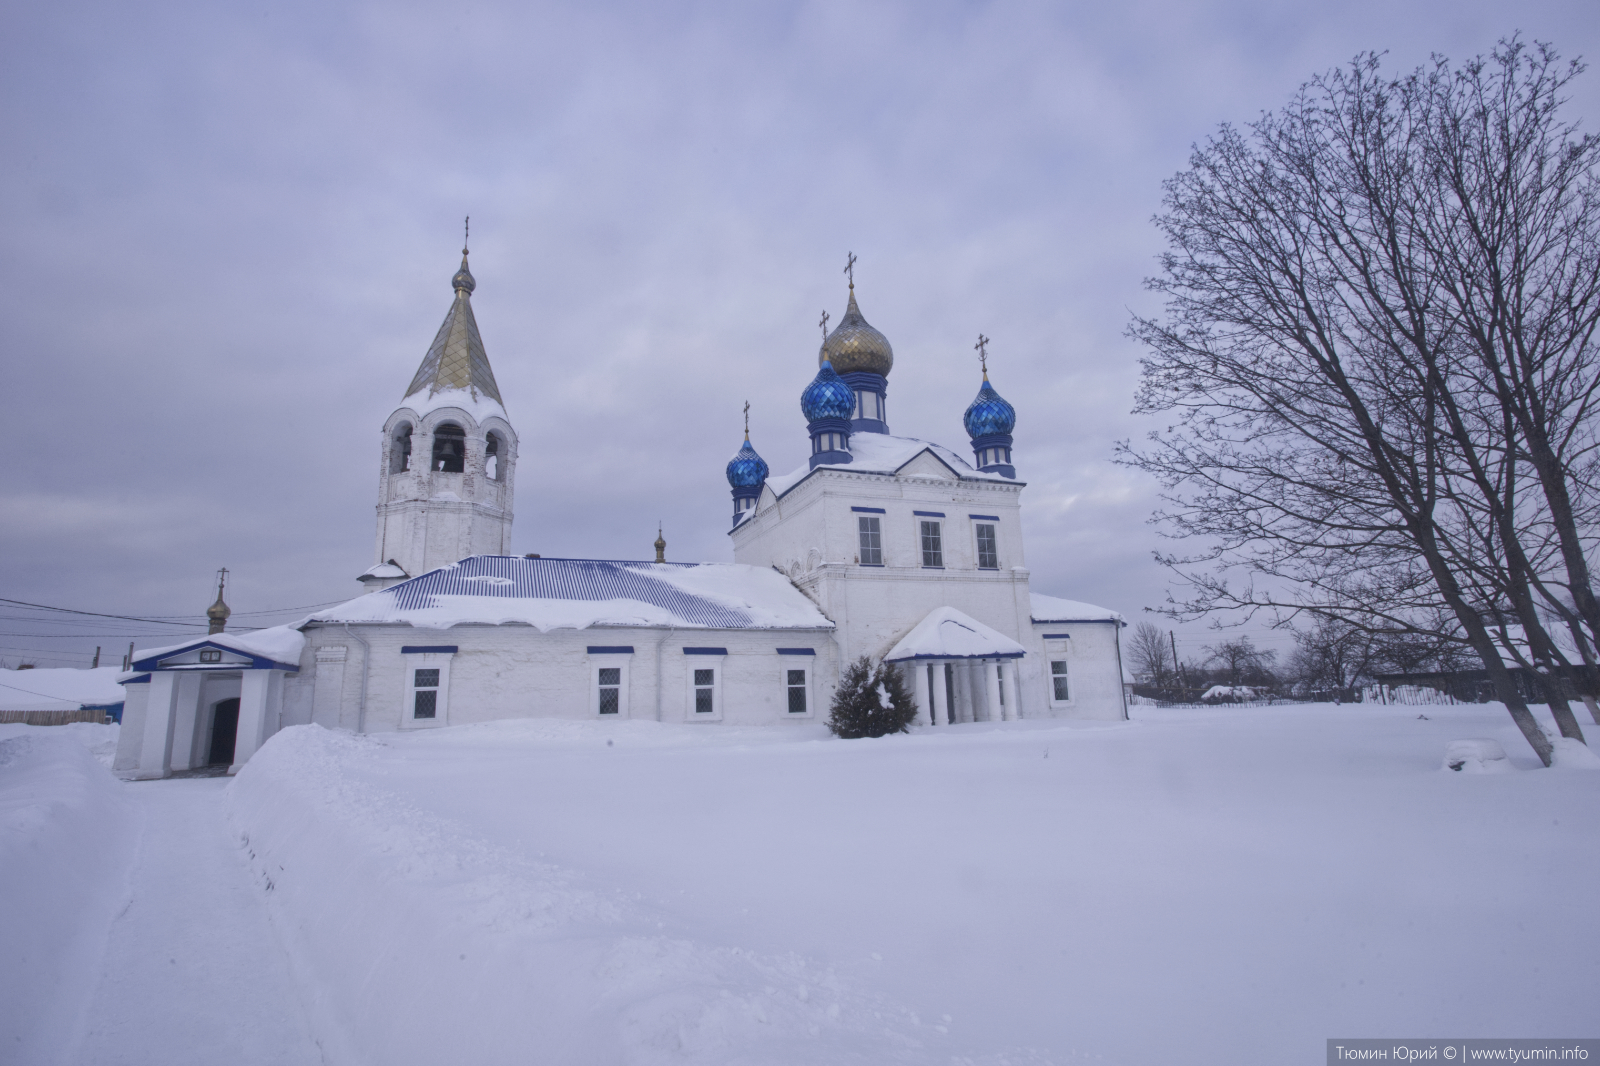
<point>882,453</point>
<point>578,593</point>
<point>947,633</point>
<point>456,361</point>
<point>1055,609</point>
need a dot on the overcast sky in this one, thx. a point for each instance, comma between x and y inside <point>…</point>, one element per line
<point>228,232</point>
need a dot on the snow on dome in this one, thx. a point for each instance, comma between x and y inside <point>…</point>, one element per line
<point>578,593</point>
<point>746,470</point>
<point>881,453</point>
<point>989,414</point>
<point>383,570</point>
<point>946,633</point>
<point>1055,609</point>
<point>827,396</point>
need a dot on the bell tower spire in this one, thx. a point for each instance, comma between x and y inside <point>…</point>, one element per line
<point>445,485</point>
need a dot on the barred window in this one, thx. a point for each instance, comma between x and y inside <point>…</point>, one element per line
<point>426,684</point>
<point>705,682</point>
<point>871,541</point>
<point>932,545</point>
<point>988,552</point>
<point>797,691</point>
<point>610,689</point>
<point>1058,680</point>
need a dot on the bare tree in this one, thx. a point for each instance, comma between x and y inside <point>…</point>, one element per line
<point>1150,655</point>
<point>1242,662</point>
<point>1336,427</point>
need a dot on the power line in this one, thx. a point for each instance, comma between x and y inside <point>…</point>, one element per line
<point>166,620</point>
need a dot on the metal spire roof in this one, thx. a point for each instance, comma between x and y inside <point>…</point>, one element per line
<point>456,360</point>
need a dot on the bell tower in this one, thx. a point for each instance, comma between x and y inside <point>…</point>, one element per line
<point>448,457</point>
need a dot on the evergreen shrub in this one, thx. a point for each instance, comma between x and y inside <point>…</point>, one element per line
<point>858,707</point>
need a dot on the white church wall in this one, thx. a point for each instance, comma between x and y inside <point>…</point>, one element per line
<point>1094,672</point>
<point>505,672</point>
<point>130,739</point>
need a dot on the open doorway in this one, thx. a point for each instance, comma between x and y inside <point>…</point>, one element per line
<point>224,731</point>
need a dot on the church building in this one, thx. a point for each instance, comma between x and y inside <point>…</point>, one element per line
<point>881,546</point>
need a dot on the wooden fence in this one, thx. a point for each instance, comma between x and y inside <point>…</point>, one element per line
<point>50,717</point>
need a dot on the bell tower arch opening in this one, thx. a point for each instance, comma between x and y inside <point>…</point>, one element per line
<point>449,448</point>
<point>400,449</point>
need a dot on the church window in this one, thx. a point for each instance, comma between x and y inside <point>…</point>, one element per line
<point>425,688</point>
<point>1059,693</point>
<point>932,545</point>
<point>871,541</point>
<point>796,684</point>
<point>449,449</point>
<point>491,457</point>
<point>610,678</point>
<point>988,550</point>
<point>400,451</point>
<point>705,689</point>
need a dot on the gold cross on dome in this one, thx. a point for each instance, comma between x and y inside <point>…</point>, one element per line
<point>982,348</point>
<point>222,579</point>
<point>850,269</point>
<point>747,420</point>
<point>466,235</point>
<point>823,322</point>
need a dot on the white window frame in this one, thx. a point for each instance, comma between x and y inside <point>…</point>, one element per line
<point>797,662</point>
<point>1058,651</point>
<point>977,549</point>
<point>861,548</point>
<point>598,662</point>
<point>922,551</point>
<point>426,660</point>
<point>703,662</point>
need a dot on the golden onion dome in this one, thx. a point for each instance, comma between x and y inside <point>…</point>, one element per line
<point>854,346</point>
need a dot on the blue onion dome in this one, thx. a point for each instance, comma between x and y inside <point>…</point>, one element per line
<point>854,346</point>
<point>463,281</point>
<point>747,470</point>
<point>827,396</point>
<point>989,414</point>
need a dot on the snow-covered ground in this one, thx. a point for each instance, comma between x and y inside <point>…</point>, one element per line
<point>1211,886</point>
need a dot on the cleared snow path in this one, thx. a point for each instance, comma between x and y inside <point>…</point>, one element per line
<point>193,972</point>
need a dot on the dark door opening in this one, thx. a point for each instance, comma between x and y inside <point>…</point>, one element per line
<point>224,731</point>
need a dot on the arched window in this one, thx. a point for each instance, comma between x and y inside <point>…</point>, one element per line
<point>449,448</point>
<point>400,450</point>
<point>491,457</point>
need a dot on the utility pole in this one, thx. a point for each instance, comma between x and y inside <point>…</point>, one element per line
<point>96,664</point>
<point>1177,665</point>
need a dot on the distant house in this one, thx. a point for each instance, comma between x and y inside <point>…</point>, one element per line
<point>55,697</point>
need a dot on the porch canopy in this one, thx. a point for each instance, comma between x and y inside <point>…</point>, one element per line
<point>947,634</point>
<point>947,645</point>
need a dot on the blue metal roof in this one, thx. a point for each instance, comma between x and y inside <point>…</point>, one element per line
<point>510,577</point>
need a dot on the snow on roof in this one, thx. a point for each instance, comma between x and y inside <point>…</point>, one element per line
<point>64,689</point>
<point>280,644</point>
<point>880,453</point>
<point>578,593</point>
<point>946,633</point>
<point>1055,609</point>
<point>479,407</point>
<point>383,570</point>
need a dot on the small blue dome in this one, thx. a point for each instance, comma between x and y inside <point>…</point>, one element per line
<point>747,470</point>
<point>827,396</point>
<point>989,414</point>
